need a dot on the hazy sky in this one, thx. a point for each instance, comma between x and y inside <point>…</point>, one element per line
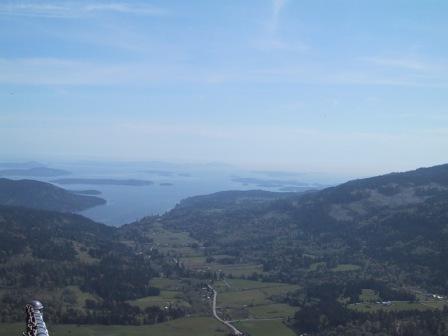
<point>352,86</point>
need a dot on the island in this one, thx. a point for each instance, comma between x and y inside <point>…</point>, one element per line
<point>104,181</point>
<point>44,196</point>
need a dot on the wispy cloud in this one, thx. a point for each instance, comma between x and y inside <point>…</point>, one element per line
<point>399,62</point>
<point>277,8</point>
<point>272,39</point>
<point>62,9</point>
<point>55,71</point>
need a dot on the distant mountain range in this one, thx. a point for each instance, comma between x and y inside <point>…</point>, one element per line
<point>34,172</point>
<point>41,195</point>
<point>20,165</point>
<point>104,181</point>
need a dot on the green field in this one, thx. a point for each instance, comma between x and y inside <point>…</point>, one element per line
<point>174,243</point>
<point>167,284</point>
<point>244,299</point>
<point>346,268</point>
<point>275,310</point>
<point>265,328</point>
<point>242,284</point>
<point>399,306</point>
<point>251,297</point>
<point>198,326</point>
<point>198,262</point>
<point>164,299</point>
<point>369,295</point>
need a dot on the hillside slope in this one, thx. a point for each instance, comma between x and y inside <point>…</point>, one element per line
<point>397,223</point>
<point>41,195</point>
<point>82,270</point>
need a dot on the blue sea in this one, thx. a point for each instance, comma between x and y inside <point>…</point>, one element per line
<point>171,184</point>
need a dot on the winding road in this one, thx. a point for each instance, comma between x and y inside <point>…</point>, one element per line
<point>235,331</point>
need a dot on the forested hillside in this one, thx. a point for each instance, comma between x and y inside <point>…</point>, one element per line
<point>387,235</point>
<point>82,270</point>
<point>45,196</point>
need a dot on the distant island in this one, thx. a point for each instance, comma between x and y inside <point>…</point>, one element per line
<point>164,173</point>
<point>34,172</point>
<point>44,196</point>
<point>104,181</point>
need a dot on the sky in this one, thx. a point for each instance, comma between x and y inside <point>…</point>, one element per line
<point>345,86</point>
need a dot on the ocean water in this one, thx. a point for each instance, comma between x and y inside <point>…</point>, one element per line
<point>126,204</point>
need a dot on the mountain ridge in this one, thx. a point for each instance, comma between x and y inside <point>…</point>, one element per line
<point>45,196</point>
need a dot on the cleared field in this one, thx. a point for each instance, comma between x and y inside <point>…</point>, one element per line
<point>167,284</point>
<point>252,297</point>
<point>199,326</point>
<point>175,243</point>
<point>275,310</point>
<point>346,268</point>
<point>164,299</point>
<point>265,328</point>
<point>315,266</point>
<point>200,262</point>
<point>241,284</point>
<point>195,262</point>
<point>369,295</point>
<point>242,299</point>
<point>238,270</point>
<point>399,306</point>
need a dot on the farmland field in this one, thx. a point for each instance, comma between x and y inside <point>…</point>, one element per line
<point>265,328</point>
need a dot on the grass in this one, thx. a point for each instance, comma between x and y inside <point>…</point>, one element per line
<point>198,326</point>
<point>241,284</point>
<point>316,266</point>
<point>198,262</point>
<point>164,299</point>
<point>243,298</point>
<point>175,243</point>
<point>399,306</point>
<point>167,284</point>
<point>369,295</point>
<point>195,262</point>
<point>265,328</point>
<point>275,310</point>
<point>238,299</point>
<point>252,297</point>
<point>346,268</point>
<point>238,270</point>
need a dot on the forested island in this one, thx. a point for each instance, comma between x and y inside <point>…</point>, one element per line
<point>42,195</point>
<point>104,181</point>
